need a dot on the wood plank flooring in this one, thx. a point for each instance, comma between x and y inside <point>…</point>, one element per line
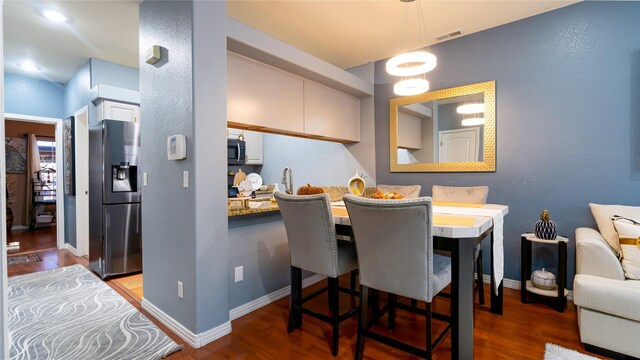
<point>41,238</point>
<point>520,334</point>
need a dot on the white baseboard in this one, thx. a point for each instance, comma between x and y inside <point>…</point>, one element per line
<point>194,340</point>
<point>73,250</point>
<point>515,284</point>
<point>19,227</point>
<point>270,298</point>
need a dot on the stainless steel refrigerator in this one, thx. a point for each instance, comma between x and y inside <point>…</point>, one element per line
<point>115,229</point>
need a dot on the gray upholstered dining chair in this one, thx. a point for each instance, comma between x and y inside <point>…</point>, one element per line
<point>313,246</point>
<point>468,195</point>
<point>394,241</point>
<point>408,191</point>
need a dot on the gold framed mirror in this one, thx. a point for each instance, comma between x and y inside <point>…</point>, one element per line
<point>449,130</point>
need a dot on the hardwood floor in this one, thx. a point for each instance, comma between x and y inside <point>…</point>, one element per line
<point>520,334</point>
<point>32,240</point>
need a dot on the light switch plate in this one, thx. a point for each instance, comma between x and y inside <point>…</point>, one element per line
<point>144,179</point>
<point>238,274</point>
<point>185,179</point>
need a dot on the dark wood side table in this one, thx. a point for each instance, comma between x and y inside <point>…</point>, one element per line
<point>558,297</point>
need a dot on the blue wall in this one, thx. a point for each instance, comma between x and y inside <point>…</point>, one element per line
<point>104,72</point>
<point>568,117</point>
<point>33,97</point>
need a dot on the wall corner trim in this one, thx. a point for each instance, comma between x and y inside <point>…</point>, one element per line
<point>73,250</point>
<point>270,298</point>
<point>194,340</point>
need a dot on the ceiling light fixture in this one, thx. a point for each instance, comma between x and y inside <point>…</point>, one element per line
<point>473,121</point>
<point>29,67</point>
<point>425,62</point>
<point>409,87</point>
<point>54,15</point>
<point>470,108</point>
<point>412,63</point>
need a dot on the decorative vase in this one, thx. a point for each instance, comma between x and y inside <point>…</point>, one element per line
<point>356,184</point>
<point>543,279</point>
<point>9,219</point>
<point>545,228</point>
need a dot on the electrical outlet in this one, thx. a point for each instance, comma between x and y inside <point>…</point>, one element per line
<point>185,179</point>
<point>239,274</point>
<point>180,290</point>
<point>144,179</point>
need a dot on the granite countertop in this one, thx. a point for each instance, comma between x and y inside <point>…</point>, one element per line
<point>335,194</point>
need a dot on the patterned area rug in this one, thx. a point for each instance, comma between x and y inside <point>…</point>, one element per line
<point>22,259</point>
<point>555,352</point>
<point>68,313</point>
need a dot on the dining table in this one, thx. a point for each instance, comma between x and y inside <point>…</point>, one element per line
<point>458,228</point>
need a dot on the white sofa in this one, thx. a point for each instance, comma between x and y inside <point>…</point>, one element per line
<point>608,305</point>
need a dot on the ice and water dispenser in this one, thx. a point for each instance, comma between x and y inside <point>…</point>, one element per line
<point>124,177</point>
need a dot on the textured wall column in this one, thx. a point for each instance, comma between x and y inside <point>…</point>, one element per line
<point>4,302</point>
<point>185,232</point>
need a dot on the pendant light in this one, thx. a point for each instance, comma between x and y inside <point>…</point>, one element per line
<point>473,121</point>
<point>471,108</point>
<point>412,63</point>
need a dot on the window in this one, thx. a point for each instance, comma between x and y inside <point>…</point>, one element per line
<point>47,151</point>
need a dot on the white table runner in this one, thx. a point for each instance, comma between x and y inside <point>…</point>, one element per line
<point>498,236</point>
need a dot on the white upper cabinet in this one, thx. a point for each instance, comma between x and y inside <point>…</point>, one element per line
<point>253,144</point>
<point>262,96</point>
<point>114,110</point>
<point>330,113</point>
<point>253,149</point>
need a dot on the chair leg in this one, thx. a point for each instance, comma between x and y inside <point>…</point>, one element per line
<point>375,305</point>
<point>428,330</point>
<point>295,314</point>
<point>352,280</point>
<point>362,322</point>
<point>392,311</point>
<point>335,314</point>
<point>480,280</point>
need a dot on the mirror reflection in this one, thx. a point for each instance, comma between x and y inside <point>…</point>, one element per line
<point>448,130</point>
<point>442,130</point>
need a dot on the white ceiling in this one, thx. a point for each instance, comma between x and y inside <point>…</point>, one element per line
<point>106,30</point>
<point>345,33</point>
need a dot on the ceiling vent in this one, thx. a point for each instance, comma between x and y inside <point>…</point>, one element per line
<point>449,36</point>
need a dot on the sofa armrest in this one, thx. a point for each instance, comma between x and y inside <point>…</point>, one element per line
<point>594,257</point>
<point>616,297</point>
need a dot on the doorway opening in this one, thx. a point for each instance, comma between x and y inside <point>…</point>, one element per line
<point>34,204</point>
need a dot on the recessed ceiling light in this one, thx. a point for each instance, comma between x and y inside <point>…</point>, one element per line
<point>29,67</point>
<point>54,16</point>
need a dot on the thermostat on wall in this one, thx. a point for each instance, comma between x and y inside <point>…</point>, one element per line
<point>176,147</point>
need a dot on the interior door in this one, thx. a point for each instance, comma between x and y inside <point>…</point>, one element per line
<point>459,145</point>
<point>82,180</point>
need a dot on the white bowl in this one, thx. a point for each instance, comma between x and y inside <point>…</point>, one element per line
<point>254,204</point>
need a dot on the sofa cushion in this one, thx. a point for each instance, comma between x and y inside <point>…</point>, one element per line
<point>629,234</point>
<point>603,214</point>
<point>615,297</point>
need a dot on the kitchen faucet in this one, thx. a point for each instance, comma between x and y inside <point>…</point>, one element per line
<point>287,188</point>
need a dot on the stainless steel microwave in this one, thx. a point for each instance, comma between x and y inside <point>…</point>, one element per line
<point>235,152</point>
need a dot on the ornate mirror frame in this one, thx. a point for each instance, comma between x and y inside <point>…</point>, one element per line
<point>489,141</point>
